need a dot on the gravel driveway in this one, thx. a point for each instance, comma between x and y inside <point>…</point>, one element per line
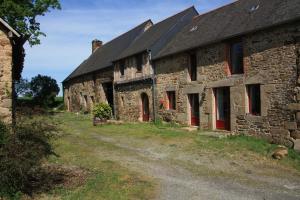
<point>182,173</point>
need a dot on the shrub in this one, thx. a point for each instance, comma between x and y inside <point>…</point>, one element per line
<point>21,156</point>
<point>102,111</point>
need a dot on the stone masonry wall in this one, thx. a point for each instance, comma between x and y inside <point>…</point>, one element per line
<point>89,86</point>
<point>128,99</point>
<point>270,60</point>
<point>5,77</point>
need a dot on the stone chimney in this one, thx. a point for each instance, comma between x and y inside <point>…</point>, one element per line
<point>96,44</point>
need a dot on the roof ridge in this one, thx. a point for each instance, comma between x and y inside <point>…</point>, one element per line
<point>134,28</point>
<point>217,9</point>
<point>174,25</point>
<point>175,15</point>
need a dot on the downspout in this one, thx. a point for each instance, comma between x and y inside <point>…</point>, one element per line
<point>153,87</point>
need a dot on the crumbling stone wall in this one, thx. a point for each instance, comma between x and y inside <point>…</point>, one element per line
<point>87,86</point>
<point>270,60</point>
<point>5,77</point>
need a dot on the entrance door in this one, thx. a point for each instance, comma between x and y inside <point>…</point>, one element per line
<point>222,108</point>
<point>194,106</point>
<point>145,107</point>
<point>108,90</point>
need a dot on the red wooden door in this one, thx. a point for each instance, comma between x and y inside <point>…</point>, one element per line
<point>194,103</point>
<point>145,107</point>
<point>222,108</point>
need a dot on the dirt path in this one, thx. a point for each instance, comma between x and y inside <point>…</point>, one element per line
<point>182,174</point>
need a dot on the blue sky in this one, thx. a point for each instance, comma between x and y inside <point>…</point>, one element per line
<point>71,30</point>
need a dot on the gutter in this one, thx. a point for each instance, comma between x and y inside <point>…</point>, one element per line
<point>153,87</point>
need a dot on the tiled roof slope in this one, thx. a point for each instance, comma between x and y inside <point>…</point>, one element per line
<point>157,36</point>
<point>238,18</point>
<point>104,56</point>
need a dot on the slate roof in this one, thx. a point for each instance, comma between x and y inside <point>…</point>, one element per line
<point>103,57</point>
<point>157,36</point>
<point>235,19</point>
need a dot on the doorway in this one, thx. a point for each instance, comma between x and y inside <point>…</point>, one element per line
<point>222,100</point>
<point>109,94</point>
<point>194,106</point>
<point>145,107</point>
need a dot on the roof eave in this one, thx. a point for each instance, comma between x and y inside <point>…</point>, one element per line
<point>10,28</point>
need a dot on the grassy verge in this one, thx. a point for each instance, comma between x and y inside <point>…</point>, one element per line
<point>234,145</point>
<point>106,179</point>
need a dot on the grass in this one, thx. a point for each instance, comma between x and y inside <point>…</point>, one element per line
<point>166,132</point>
<point>109,180</point>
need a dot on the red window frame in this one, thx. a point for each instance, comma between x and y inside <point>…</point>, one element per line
<point>233,54</point>
<point>193,67</point>
<point>254,99</point>
<point>171,100</point>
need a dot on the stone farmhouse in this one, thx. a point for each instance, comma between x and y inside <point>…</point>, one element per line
<point>235,68</point>
<point>11,65</point>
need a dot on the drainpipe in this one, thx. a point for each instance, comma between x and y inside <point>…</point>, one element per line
<point>153,86</point>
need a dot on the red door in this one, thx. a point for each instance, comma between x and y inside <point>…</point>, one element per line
<point>145,107</point>
<point>194,103</point>
<point>222,108</point>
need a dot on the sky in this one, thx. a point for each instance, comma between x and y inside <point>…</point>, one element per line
<point>70,30</point>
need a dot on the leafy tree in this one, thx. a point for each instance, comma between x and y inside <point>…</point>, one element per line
<point>22,14</point>
<point>44,89</point>
<point>22,87</point>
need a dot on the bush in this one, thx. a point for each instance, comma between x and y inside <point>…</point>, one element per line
<point>21,156</point>
<point>102,111</point>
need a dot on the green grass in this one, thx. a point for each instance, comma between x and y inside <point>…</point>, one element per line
<point>107,179</point>
<point>225,145</point>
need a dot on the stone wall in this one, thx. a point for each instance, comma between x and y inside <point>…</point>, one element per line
<point>270,60</point>
<point>5,77</point>
<point>131,72</point>
<point>128,100</point>
<point>79,93</point>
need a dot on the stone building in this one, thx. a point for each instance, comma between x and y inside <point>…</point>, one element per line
<point>92,80</point>
<point>134,73</point>
<point>11,64</point>
<point>235,68</point>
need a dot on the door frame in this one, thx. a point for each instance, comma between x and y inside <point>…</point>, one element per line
<point>194,120</point>
<point>226,123</point>
<point>145,100</point>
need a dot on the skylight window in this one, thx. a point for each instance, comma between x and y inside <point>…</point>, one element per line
<point>254,8</point>
<point>194,28</point>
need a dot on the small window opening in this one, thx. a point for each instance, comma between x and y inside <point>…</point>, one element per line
<point>171,100</point>
<point>254,99</point>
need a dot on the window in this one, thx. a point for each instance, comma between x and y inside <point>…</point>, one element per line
<point>193,67</point>
<point>122,67</point>
<point>254,99</point>
<point>171,100</point>
<point>92,100</point>
<point>236,58</point>
<point>139,62</point>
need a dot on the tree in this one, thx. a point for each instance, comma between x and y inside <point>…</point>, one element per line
<point>44,89</point>
<point>22,87</point>
<point>21,15</point>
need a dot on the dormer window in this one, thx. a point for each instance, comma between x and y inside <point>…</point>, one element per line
<point>122,67</point>
<point>236,58</point>
<point>193,67</point>
<point>139,62</point>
